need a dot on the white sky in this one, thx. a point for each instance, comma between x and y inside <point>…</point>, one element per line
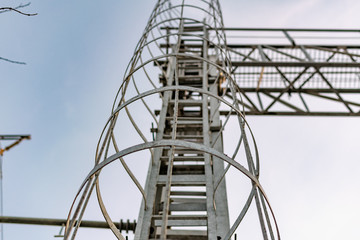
<point>76,54</point>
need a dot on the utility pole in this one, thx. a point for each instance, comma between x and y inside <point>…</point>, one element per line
<point>16,139</point>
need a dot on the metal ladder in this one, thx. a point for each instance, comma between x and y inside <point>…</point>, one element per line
<point>183,205</point>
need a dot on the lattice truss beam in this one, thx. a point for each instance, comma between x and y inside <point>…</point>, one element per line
<point>297,71</point>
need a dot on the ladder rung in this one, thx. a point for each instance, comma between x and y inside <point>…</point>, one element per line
<point>188,151</point>
<point>184,169</point>
<point>182,122</point>
<point>187,200</point>
<point>187,102</point>
<point>190,77</point>
<point>188,234</point>
<point>182,222</point>
<point>183,180</point>
<point>188,169</point>
<point>184,158</point>
<point>188,207</point>
<point>187,193</point>
<point>190,118</point>
<point>191,67</point>
<point>189,61</point>
<point>184,136</point>
<point>190,51</point>
<point>176,217</point>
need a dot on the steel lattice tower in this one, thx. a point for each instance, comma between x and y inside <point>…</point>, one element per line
<point>185,193</point>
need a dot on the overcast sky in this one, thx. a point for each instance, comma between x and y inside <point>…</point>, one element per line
<point>76,53</point>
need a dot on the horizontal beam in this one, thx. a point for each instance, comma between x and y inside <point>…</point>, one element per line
<point>291,64</point>
<point>301,90</point>
<point>232,45</point>
<point>287,29</point>
<point>313,114</point>
<point>14,137</point>
<point>295,64</point>
<point>283,113</point>
<point>122,226</point>
<point>273,29</point>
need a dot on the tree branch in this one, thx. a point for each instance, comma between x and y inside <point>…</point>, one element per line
<point>20,6</point>
<point>8,60</point>
<point>7,9</point>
